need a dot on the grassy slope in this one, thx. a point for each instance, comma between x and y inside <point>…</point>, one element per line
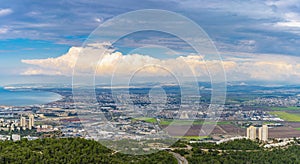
<point>287,116</point>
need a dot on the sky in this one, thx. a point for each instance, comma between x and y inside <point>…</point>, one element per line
<point>257,39</point>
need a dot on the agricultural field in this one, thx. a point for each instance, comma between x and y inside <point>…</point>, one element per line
<point>283,132</point>
<point>287,116</point>
<point>285,108</point>
<point>295,125</point>
<point>196,130</point>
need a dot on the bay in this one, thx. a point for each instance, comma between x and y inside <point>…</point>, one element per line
<point>26,97</point>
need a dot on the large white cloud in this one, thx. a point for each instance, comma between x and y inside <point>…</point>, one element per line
<point>238,66</point>
<point>54,66</point>
<point>117,64</point>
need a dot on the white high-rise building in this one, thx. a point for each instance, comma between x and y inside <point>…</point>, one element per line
<point>251,133</point>
<point>23,121</point>
<point>184,115</point>
<point>31,121</point>
<point>263,133</point>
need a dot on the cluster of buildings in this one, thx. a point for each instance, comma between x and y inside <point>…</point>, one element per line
<point>65,113</point>
<point>11,124</point>
<point>283,143</point>
<point>276,101</point>
<point>262,133</point>
<point>14,137</point>
<point>24,124</point>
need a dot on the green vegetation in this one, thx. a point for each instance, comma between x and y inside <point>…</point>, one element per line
<point>287,116</point>
<point>189,122</point>
<point>77,150</point>
<point>146,119</point>
<point>137,147</point>
<point>179,144</point>
<point>71,150</point>
<point>285,108</point>
<point>289,155</point>
<point>269,122</point>
<point>192,137</point>
<point>297,128</point>
<point>243,144</point>
<point>239,152</point>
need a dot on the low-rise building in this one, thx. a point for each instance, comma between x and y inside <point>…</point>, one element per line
<point>16,137</point>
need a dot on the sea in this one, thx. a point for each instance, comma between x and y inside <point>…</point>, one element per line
<point>26,97</point>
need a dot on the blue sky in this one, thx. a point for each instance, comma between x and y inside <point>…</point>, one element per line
<point>47,29</point>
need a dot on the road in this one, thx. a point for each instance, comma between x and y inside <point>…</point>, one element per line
<point>180,159</point>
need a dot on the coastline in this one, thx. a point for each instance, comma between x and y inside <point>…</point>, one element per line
<point>11,96</point>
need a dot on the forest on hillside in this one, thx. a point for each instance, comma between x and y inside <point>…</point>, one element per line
<point>78,150</point>
<point>72,150</point>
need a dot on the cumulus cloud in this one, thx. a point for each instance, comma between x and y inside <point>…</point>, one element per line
<point>271,67</point>
<point>238,66</point>
<point>85,61</point>
<point>4,12</point>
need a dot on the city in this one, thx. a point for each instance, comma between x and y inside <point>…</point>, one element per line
<point>63,117</point>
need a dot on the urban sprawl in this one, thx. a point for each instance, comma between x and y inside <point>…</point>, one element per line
<point>261,118</point>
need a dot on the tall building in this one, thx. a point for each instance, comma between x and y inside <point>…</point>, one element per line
<point>31,121</point>
<point>251,133</point>
<point>184,115</point>
<point>263,133</point>
<point>22,121</point>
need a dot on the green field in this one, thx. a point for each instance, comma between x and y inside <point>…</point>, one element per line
<point>146,119</point>
<point>189,122</point>
<point>269,122</point>
<point>285,108</point>
<point>287,116</point>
